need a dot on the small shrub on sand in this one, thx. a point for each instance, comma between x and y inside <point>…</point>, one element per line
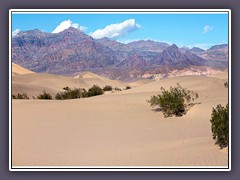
<point>128,87</point>
<point>107,88</point>
<point>174,102</point>
<point>117,89</point>
<point>44,95</point>
<point>94,91</point>
<point>70,93</point>
<point>220,123</point>
<point>20,96</point>
<point>226,84</point>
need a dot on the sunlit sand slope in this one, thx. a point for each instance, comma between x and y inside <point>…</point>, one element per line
<point>118,129</point>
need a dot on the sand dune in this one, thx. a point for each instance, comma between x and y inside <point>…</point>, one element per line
<point>16,69</point>
<point>117,129</point>
<point>91,79</point>
<point>223,75</point>
<point>35,83</point>
<point>140,82</point>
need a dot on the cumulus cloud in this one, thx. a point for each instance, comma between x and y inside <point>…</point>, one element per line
<point>67,24</point>
<point>15,32</point>
<point>116,30</point>
<point>207,28</point>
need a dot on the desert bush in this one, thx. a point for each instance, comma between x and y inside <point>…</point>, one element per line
<point>44,95</point>
<point>117,89</point>
<point>20,96</point>
<point>94,91</point>
<point>219,121</point>
<point>107,88</point>
<point>226,84</point>
<point>70,93</point>
<point>174,102</point>
<point>128,87</point>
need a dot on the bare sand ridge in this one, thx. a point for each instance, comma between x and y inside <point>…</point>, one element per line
<point>34,83</point>
<point>116,129</point>
<point>16,70</point>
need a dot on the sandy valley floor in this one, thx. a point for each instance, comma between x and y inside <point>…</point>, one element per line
<point>117,129</point>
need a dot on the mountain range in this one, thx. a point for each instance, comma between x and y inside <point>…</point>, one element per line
<point>72,51</point>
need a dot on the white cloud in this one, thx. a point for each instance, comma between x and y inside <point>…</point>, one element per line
<point>207,28</point>
<point>67,24</point>
<point>116,30</point>
<point>15,32</point>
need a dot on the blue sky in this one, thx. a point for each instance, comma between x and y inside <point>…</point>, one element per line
<point>201,30</point>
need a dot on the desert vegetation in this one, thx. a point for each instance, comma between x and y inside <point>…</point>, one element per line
<point>176,101</point>
<point>107,88</point>
<point>226,84</point>
<point>220,124</point>
<point>69,93</point>
<point>44,95</point>
<point>117,89</point>
<point>20,96</point>
<point>94,91</point>
<point>75,93</point>
<point>219,121</point>
<point>128,87</point>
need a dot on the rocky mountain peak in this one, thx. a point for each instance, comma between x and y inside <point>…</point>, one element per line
<point>72,30</point>
<point>216,47</point>
<point>173,47</point>
<point>72,51</point>
<point>196,49</point>
<point>34,32</point>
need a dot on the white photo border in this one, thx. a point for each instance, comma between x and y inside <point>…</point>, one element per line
<point>118,11</point>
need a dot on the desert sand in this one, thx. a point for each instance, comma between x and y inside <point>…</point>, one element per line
<point>114,129</point>
<point>34,83</point>
<point>16,70</point>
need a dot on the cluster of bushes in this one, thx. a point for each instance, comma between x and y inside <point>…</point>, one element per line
<point>75,93</point>
<point>44,95</point>
<point>176,101</point>
<point>20,96</point>
<point>71,93</point>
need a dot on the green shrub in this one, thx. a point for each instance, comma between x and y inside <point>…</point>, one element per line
<point>44,95</point>
<point>70,93</point>
<point>107,88</point>
<point>128,87</point>
<point>174,102</point>
<point>94,91</point>
<point>20,96</point>
<point>220,123</point>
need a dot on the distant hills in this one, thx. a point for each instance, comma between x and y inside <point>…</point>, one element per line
<point>71,52</point>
